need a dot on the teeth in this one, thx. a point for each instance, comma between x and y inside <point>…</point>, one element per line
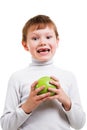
<point>43,50</point>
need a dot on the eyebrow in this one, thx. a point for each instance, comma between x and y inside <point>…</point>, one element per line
<point>36,33</point>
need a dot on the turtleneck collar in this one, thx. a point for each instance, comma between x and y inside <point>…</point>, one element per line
<point>35,62</point>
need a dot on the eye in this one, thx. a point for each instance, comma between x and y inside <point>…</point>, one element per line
<point>35,38</point>
<point>49,37</point>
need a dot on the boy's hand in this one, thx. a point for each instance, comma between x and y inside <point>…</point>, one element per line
<point>60,94</point>
<point>34,100</point>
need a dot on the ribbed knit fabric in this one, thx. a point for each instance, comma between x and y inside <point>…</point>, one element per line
<point>50,115</point>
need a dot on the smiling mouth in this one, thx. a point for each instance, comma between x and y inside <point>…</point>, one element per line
<point>43,50</point>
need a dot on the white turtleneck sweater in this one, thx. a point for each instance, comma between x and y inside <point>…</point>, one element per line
<point>50,115</point>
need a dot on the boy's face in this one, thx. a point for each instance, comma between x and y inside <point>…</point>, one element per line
<point>41,43</point>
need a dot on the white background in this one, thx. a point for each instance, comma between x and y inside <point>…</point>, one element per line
<point>70,17</point>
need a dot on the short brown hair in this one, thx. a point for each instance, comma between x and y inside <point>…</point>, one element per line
<point>38,22</point>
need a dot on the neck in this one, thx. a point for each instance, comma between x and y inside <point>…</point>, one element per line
<point>35,62</point>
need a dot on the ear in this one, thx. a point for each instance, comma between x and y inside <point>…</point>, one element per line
<point>57,41</point>
<point>25,45</point>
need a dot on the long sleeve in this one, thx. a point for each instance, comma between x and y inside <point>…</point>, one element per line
<point>13,116</point>
<point>19,85</point>
<point>76,115</point>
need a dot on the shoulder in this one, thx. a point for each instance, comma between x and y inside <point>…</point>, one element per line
<point>19,74</point>
<point>65,74</point>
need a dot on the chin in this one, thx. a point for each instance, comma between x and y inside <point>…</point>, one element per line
<point>44,60</point>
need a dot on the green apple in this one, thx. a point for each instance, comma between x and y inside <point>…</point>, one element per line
<point>44,81</point>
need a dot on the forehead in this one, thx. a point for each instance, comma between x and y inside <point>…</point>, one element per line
<point>40,26</point>
<point>41,31</point>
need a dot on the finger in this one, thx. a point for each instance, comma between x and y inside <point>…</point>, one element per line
<point>33,85</point>
<point>57,84</point>
<point>43,96</point>
<point>37,90</point>
<point>53,90</point>
<point>54,78</point>
<point>53,97</point>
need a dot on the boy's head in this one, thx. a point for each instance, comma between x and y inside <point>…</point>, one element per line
<point>40,37</point>
<point>38,22</point>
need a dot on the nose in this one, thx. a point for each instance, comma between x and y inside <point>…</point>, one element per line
<point>42,42</point>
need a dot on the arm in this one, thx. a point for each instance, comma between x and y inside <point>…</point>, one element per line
<point>15,113</point>
<point>13,116</point>
<point>71,102</point>
<point>76,115</point>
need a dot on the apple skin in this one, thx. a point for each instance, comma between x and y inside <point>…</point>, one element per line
<point>44,81</point>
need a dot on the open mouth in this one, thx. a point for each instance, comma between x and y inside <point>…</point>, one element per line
<point>43,50</point>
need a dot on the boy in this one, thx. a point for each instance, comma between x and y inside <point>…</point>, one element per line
<point>24,108</point>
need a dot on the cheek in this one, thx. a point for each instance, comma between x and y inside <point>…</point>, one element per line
<point>54,47</point>
<point>30,46</point>
<point>32,49</point>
